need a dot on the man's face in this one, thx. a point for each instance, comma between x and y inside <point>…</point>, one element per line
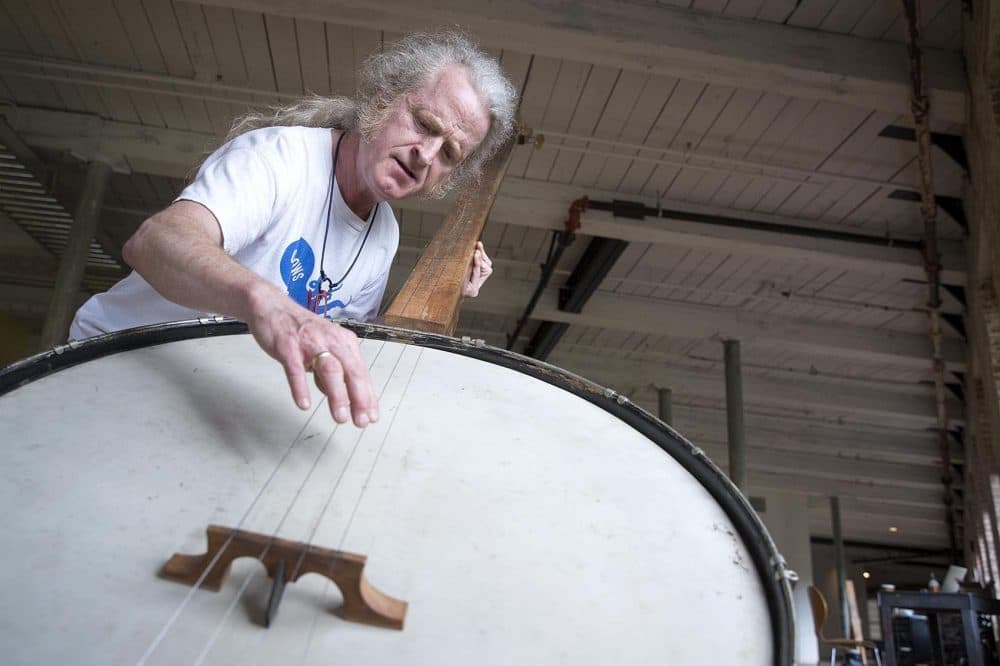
<point>425,135</point>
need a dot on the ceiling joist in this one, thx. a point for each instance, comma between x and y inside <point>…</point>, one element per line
<point>873,402</point>
<point>687,320</point>
<point>669,41</point>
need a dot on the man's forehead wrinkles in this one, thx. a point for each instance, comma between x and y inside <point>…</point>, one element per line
<point>457,128</point>
<point>456,119</point>
<point>453,109</point>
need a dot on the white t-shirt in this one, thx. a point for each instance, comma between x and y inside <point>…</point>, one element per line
<point>268,189</point>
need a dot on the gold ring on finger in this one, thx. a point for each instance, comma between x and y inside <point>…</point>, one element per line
<point>316,358</point>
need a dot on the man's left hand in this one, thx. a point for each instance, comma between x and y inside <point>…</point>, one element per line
<point>480,269</point>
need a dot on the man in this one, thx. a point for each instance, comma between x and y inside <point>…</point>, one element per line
<point>284,226</point>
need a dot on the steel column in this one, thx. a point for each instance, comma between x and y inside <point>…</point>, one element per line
<point>74,258</point>
<point>666,405</point>
<point>734,416</point>
<point>838,546</point>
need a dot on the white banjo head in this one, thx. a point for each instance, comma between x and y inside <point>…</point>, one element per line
<point>522,520</point>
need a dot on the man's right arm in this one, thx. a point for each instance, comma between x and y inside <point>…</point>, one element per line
<point>179,252</point>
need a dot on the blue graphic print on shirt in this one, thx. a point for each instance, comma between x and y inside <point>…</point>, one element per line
<point>297,264</point>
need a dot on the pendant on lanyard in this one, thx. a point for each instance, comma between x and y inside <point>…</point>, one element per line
<point>319,300</point>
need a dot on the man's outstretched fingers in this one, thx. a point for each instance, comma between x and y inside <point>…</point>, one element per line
<point>372,409</point>
<point>359,388</point>
<point>295,373</point>
<point>362,404</point>
<point>330,380</point>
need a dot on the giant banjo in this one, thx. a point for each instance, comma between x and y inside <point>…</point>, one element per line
<point>522,514</point>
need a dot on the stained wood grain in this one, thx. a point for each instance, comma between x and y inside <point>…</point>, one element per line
<point>290,560</point>
<point>430,299</point>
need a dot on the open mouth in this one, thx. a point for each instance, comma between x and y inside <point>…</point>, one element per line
<point>405,170</point>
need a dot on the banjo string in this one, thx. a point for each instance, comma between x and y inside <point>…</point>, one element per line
<point>253,573</point>
<point>316,523</point>
<point>190,593</point>
<point>171,621</point>
<point>333,492</point>
<point>350,522</point>
<point>343,471</point>
<point>378,454</point>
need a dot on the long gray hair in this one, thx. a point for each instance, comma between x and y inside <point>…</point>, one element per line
<point>405,66</point>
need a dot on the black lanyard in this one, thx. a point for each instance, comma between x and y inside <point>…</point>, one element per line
<point>323,278</point>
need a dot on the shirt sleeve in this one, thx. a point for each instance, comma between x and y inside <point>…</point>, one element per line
<point>238,185</point>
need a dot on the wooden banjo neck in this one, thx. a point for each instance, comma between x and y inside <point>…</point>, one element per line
<point>431,297</point>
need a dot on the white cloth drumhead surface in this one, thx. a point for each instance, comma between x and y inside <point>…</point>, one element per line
<point>522,524</point>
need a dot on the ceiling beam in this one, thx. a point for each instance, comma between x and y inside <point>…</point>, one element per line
<point>668,41</point>
<point>833,468</point>
<point>174,153</point>
<point>705,322</point>
<point>883,512</point>
<point>705,361</point>
<point>819,473</point>
<point>544,205</point>
<point>127,147</point>
<point>930,524</point>
<point>702,423</point>
<point>873,402</point>
<point>859,528</point>
<point>798,483</point>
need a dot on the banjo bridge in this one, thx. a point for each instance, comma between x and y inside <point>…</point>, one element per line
<point>286,561</point>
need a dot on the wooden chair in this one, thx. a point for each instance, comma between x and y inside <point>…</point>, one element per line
<point>819,610</point>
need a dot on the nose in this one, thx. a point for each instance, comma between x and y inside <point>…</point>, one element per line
<point>427,150</point>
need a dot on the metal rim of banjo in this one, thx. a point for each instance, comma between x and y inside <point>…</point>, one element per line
<point>775,577</point>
